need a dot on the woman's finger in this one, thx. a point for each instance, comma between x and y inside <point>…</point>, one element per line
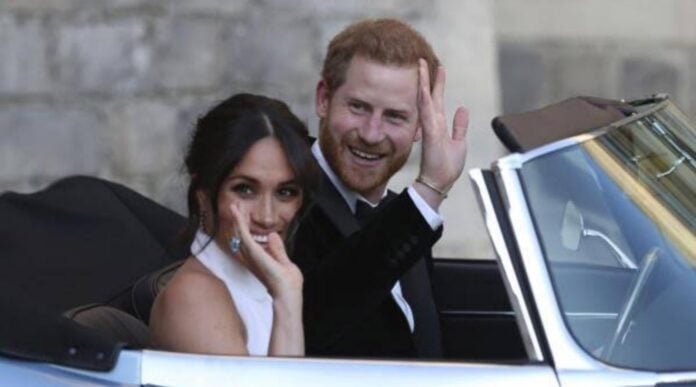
<point>277,248</point>
<point>254,252</point>
<point>241,224</point>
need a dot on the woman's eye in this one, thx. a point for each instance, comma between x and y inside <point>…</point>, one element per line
<point>289,192</point>
<point>243,189</point>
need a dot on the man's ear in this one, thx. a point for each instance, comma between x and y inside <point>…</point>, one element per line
<point>321,99</point>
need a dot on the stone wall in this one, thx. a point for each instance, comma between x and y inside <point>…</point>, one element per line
<point>111,87</point>
<point>554,49</point>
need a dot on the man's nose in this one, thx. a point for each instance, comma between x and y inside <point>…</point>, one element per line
<point>372,131</point>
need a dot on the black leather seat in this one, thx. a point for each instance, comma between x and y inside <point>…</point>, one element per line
<point>145,290</point>
<point>131,329</point>
<point>112,323</point>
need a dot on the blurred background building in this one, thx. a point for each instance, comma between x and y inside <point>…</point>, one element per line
<point>112,87</point>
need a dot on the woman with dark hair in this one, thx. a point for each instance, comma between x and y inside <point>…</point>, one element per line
<point>238,293</point>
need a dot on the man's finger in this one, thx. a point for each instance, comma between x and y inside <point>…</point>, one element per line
<point>460,125</point>
<point>425,103</point>
<point>423,77</point>
<point>439,88</point>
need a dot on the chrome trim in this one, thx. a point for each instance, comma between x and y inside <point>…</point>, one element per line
<point>677,377</point>
<point>592,315</point>
<point>179,369</point>
<point>529,335</point>
<point>515,160</point>
<point>620,256</point>
<point>477,313</point>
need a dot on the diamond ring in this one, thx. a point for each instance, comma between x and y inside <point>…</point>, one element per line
<point>235,245</point>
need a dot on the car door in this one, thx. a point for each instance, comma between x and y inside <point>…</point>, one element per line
<point>476,319</point>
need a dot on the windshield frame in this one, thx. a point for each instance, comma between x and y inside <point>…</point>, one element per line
<point>566,351</point>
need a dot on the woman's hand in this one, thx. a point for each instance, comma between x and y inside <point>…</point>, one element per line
<point>271,265</point>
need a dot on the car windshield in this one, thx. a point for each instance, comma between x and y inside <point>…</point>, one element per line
<point>616,217</point>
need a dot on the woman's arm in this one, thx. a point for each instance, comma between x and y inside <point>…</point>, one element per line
<point>196,314</point>
<point>287,335</point>
<point>284,282</point>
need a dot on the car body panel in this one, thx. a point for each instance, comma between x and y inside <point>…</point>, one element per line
<point>175,369</point>
<point>249,371</point>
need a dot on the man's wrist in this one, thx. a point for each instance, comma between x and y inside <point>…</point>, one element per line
<point>426,182</point>
<point>427,203</point>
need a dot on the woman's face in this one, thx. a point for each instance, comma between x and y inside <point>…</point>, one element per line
<point>262,185</point>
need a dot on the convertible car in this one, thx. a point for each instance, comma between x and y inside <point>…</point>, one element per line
<point>592,216</point>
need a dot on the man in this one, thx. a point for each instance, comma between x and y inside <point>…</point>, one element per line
<point>374,101</point>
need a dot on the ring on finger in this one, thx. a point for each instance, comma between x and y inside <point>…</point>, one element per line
<point>235,245</point>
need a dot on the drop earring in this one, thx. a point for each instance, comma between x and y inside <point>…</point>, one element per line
<point>202,216</point>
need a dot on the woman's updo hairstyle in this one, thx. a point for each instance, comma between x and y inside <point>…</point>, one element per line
<point>224,135</point>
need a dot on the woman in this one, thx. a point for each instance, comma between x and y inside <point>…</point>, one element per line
<point>238,293</point>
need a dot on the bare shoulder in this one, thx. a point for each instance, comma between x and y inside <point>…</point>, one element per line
<point>195,313</point>
<point>191,282</point>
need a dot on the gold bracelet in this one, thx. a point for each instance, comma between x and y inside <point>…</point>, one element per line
<point>441,192</point>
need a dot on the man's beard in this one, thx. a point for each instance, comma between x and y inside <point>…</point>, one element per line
<point>361,180</point>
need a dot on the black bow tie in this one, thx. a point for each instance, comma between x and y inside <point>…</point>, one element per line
<point>364,211</point>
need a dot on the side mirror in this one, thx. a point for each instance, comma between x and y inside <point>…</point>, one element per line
<point>572,226</point>
<point>573,229</point>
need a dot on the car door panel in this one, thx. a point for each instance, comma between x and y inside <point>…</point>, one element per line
<point>476,318</point>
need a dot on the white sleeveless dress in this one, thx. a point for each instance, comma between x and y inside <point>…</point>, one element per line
<point>254,304</point>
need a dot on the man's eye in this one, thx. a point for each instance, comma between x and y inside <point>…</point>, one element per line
<point>395,119</point>
<point>243,189</point>
<point>357,107</point>
<point>289,192</point>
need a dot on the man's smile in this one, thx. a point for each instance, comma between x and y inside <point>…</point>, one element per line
<point>369,156</point>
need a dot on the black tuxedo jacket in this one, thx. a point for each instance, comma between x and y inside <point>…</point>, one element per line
<point>349,273</point>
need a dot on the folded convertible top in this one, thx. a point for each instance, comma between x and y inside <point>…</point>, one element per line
<point>81,240</point>
<point>521,132</point>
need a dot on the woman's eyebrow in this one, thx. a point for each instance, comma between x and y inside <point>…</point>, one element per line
<point>242,177</point>
<point>290,182</point>
<point>251,179</point>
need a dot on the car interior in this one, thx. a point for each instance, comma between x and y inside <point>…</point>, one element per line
<point>108,250</point>
<point>105,251</point>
